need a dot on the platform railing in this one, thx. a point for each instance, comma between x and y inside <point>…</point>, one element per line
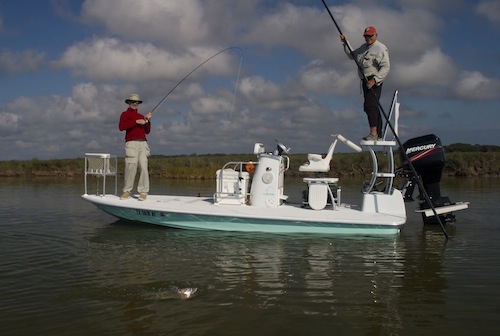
<point>101,165</point>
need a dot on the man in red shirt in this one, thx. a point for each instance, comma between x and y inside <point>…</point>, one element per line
<point>136,126</point>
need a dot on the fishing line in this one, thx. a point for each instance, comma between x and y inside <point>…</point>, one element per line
<point>236,85</point>
<point>407,159</point>
<point>199,66</point>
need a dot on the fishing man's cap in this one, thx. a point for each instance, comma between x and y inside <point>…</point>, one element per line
<point>134,97</point>
<point>370,31</point>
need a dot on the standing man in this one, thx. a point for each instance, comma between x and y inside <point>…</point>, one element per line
<point>136,126</point>
<point>373,58</point>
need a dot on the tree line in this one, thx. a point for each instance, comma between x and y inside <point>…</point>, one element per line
<point>461,160</point>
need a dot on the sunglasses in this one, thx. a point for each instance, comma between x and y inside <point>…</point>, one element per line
<point>368,36</point>
<point>135,102</point>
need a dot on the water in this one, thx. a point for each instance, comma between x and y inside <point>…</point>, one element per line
<point>68,268</point>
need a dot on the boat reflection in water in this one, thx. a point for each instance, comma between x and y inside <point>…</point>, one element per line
<point>352,277</point>
<point>362,282</point>
<point>359,283</point>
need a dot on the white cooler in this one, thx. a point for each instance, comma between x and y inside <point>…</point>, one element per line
<point>232,186</point>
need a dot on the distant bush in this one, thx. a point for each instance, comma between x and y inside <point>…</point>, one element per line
<point>458,163</point>
<point>472,164</point>
<point>467,148</point>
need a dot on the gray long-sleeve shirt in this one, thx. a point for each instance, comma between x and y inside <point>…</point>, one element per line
<point>373,59</point>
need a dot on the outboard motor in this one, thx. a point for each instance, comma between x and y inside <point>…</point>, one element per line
<point>427,157</point>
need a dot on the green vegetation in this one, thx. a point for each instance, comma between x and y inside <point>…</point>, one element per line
<point>461,160</point>
<point>466,148</point>
<point>35,167</point>
<point>473,164</point>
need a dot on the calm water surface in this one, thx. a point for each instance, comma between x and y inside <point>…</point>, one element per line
<point>67,268</point>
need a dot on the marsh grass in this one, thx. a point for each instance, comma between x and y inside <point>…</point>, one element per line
<point>205,166</point>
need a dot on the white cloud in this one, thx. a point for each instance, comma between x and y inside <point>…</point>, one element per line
<point>212,105</point>
<point>259,89</point>
<point>21,62</point>
<point>433,68</point>
<point>473,85</point>
<point>490,9</point>
<point>172,24</point>
<point>111,59</point>
<point>318,78</point>
<point>289,25</point>
<point>85,94</point>
<point>9,122</point>
<point>268,95</point>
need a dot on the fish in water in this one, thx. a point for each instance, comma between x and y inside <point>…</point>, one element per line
<point>173,292</point>
<point>184,293</point>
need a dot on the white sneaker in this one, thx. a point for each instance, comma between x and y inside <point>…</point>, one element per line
<point>371,137</point>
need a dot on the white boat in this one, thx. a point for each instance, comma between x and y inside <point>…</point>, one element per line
<point>250,196</point>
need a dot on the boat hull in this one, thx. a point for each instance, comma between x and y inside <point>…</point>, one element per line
<point>196,213</point>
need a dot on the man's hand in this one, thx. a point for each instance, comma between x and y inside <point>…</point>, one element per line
<point>370,83</point>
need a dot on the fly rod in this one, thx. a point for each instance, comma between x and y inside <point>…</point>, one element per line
<point>407,159</point>
<point>199,66</point>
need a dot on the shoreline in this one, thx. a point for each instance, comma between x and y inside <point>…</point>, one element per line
<point>203,167</point>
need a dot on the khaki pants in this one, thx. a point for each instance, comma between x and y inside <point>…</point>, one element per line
<point>136,154</point>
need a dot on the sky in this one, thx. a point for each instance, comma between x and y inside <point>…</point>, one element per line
<point>280,74</point>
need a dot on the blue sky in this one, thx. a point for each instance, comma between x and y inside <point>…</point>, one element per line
<point>66,67</point>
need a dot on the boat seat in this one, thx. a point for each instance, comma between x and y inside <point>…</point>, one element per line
<point>317,163</point>
<point>319,188</point>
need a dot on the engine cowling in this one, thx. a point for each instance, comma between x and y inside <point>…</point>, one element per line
<point>426,154</point>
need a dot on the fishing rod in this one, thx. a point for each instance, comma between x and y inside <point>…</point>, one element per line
<point>407,159</point>
<point>199,66</point>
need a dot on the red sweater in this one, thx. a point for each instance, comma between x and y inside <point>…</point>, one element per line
<point>133,131</point>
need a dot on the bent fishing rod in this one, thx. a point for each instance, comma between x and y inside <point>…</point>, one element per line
<point>199,66</point>
<point>381,109</point>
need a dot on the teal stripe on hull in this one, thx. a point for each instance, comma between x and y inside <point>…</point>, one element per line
<point>223,223</point>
